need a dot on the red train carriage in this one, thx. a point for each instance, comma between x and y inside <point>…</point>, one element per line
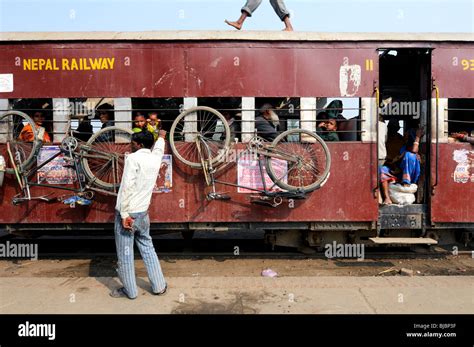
<point>428,77</point>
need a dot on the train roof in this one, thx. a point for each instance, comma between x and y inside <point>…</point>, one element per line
<point>234,36</point>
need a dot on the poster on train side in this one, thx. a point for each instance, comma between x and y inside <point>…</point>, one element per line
<point>248,174</point>
<point>164,182</point>
<point>56,171</point>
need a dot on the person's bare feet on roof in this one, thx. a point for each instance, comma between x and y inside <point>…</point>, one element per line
<point>288,26</point>
<point>236,25</point>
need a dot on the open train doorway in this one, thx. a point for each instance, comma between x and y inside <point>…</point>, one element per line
<point>404,129</point>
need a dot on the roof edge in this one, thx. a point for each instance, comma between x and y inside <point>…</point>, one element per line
<point>232,36</point>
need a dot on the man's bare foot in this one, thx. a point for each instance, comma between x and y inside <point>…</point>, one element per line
<point>388,201</point>
<point>236,25</point>
<point>288,26</point>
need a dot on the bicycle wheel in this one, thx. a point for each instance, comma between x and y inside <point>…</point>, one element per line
<point>204,124</point>
<point>24,152</point>
<point>309,165</point>
<point>103,157</point>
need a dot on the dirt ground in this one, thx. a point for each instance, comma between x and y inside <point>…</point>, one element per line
<point>229,286</point>
<point>222,267</point>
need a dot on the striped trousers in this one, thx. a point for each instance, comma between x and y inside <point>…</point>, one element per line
<point>278,6</point>
<point>124,241</point>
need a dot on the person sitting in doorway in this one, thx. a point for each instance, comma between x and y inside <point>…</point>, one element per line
<point>406,167</point>
<point>395,140</point>
<point>27,133</point>
<point>382,141</point>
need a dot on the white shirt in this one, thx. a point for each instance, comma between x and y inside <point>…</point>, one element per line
<point>139,178</point>
<point>383,133</point>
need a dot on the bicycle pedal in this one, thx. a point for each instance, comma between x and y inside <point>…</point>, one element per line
<point>48,199</point>
<point>266,200</point>
<point>17,201</point>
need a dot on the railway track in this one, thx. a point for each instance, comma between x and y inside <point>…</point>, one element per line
<point>202,248</point>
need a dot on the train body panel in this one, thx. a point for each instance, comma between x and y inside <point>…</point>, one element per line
<point>453,70</point>
<point>250,65</point>
<point>193,70</point>
<point>452,200</point>
<point>347,196</point>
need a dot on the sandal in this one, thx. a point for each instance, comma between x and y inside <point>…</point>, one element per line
<point>163,292</point>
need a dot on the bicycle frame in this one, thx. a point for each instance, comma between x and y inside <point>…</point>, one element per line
<point>254,148</point>
<point>78,155</point>
<point>75,157</point>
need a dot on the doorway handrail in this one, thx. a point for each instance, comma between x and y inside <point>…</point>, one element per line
<point>377,111</point>
<point>433,187</point>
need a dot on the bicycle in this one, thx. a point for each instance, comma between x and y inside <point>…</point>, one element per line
<point>297,161</point>
<point>97,165</point>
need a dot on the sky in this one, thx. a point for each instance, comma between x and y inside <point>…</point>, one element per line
<point>307,15</point>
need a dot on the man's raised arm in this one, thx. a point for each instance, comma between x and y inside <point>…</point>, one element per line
<point>159,147</point>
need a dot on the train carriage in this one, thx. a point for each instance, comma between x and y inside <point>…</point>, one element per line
<point>429,76</point>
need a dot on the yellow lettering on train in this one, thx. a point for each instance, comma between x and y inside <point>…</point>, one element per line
<point>467,64</point>
<point>68,64</point>
<point>85,65</point>
<point>34,64</point>
<point>111,62</point>
<point>104,65</point>
<point>95,63</point>
<point>65,64</point>
<point>40,64</point>
<point>74,64</point>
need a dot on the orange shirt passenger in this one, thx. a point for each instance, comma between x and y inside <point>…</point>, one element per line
<point>26,133</point>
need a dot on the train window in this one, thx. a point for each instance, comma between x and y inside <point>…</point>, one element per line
<point>89,115</point>
<point>461,116</point>
<point>231,109</point>
<point>287,110</point>
<point>40,110</point>
<point>346,112</point>
<point>167,109</point>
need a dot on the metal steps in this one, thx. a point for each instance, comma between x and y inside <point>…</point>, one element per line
<point>402,217</point>
<point>403,240</point>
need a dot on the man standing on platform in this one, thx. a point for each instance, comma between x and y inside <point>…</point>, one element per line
<point>132,223</point>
